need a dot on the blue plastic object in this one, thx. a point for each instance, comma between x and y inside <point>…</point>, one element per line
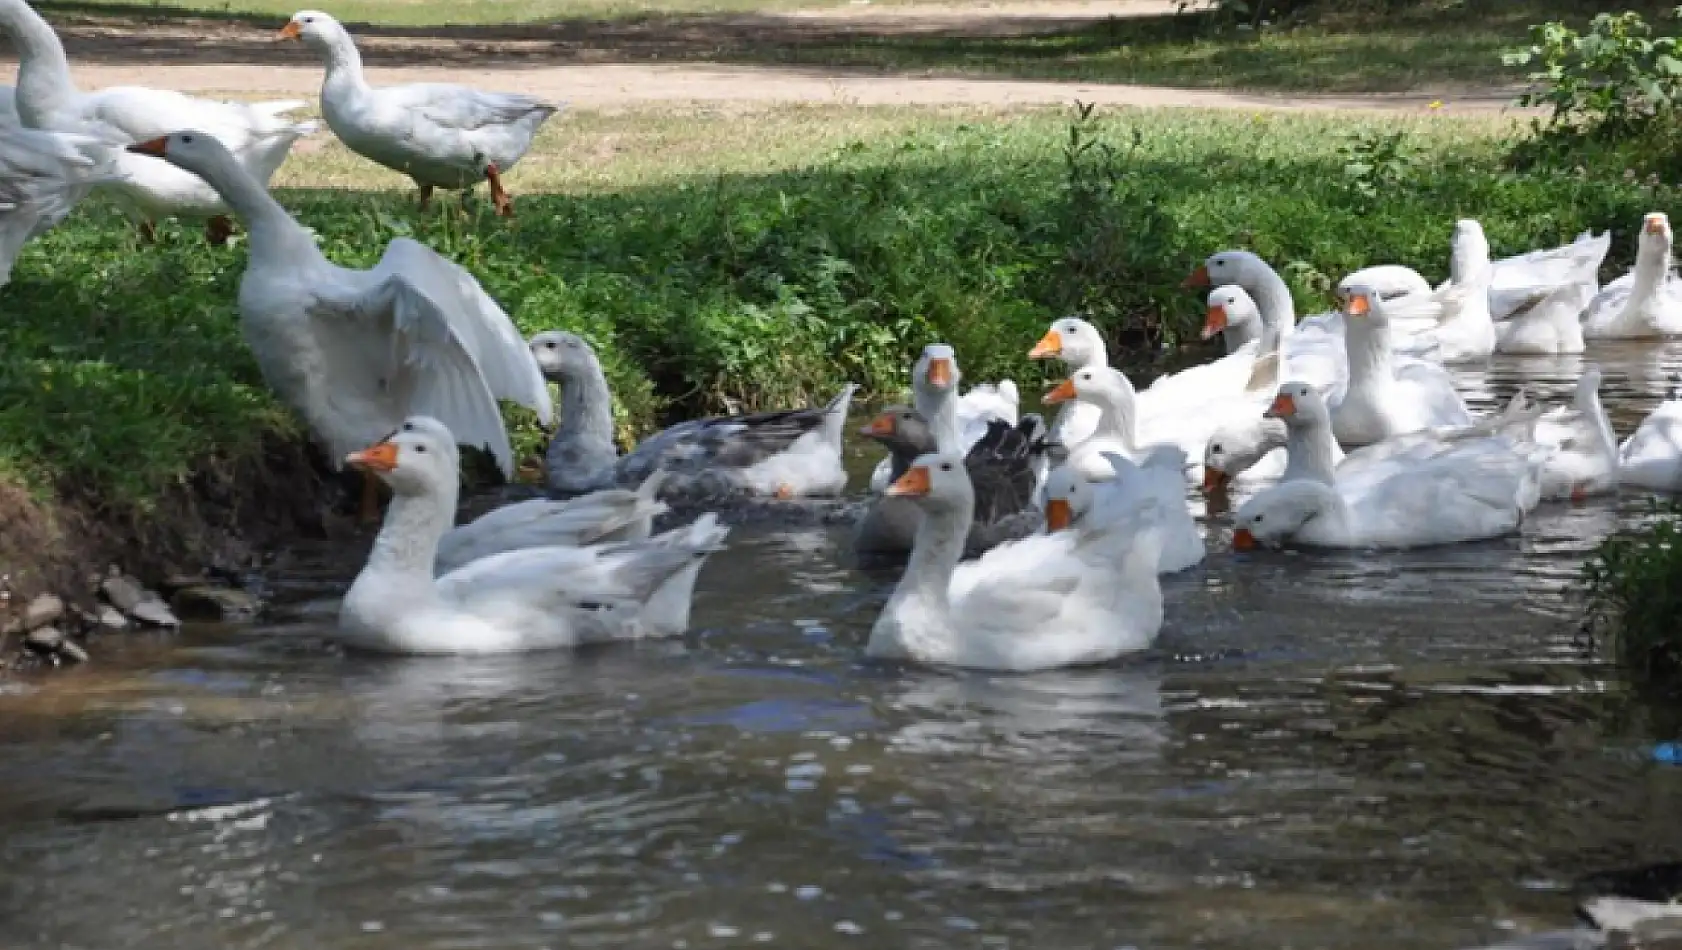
<point>1670,753</point>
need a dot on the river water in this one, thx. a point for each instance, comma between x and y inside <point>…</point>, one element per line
<point>1325,751</point>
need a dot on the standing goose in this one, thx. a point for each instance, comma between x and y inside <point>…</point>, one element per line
<point>786,454</point>
<point>356,351</point>
<point>46,98</point>
<point>42,176</point>
<point>439,134</point>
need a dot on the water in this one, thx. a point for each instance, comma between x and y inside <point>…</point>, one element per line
<point>1327,751</point>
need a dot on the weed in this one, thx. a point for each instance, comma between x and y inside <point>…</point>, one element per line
<point>1632,598</point>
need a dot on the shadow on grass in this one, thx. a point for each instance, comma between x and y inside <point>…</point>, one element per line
<point>1413,47</point>
<point>124,368</point>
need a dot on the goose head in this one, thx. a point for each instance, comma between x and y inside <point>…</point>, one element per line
<point>313,28</point>
<point>1299,404</point>
<point>937,482</point>
<point>900,429</point>
<point>1236,447</point>
<point>1101,386</point>
<point>561,355</point>
<point>198,152</point>
<point>420,458</point>
<point>1362,306</point>
<point>1272,517</point>
<point>1072,340</point>
<point>937,370</point>
<point>1068,497</point>
<point>1656,237</point>
<point>1230,307</point>
<point>1226,267</point>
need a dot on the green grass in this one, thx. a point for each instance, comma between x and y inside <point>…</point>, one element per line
<point>719,260</point>
<point>1632,600</point>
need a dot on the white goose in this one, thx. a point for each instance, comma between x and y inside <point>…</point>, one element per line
<point>1467,490</point>
<point>440,135</point>
<point>608,516</point>
<point>1645,303</point>
<point>1583,452</point>
<point>1079,345</point>
<point>1385,399</point>
<point>1458,328</point>
<point>958,421</point>
<point>535,598</point>
<point>258,133</point>
<point>1047,601</point>
<point>1651,457</point>
<point>42,177</point>
<point>1111,393</point>
<point>1074,502</point>
<point>1551,326</point>
<point>787,454</point>
<point>355,352</point>
<point>1519,282</point>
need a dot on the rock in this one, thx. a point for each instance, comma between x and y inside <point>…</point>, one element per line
<point>154,612</point>
<point>179,582</point>
<point>124,592</point>
<point>44,640</point>
<point>110,620</point>
<point>72,652</point>
<point>224,604</point>
<point>41,611</point>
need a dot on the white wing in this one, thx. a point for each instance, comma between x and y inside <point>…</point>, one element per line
<point>483,327</point>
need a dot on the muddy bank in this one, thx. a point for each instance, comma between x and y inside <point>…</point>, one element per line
<point>73,572</point>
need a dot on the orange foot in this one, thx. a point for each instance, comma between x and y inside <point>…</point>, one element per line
<point>785,491</point>
<point>1579,492</point>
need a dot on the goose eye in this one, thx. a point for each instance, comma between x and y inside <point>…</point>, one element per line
<point>1216,448</point>
<point>420,448</point>
<point>187,139</point>
<point>1259,519</point>
<point>408,427</point>
<point>550,344</point>
<point>946,466</point>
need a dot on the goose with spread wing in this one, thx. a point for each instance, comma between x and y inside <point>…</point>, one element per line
<point>42,177</point>
<point>356,351</point>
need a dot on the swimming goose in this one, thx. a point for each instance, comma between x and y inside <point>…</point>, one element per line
<point>1652,456</point>
<point>1386,399</point>
<point>42,177</point>
<point>1052,600</point>
<point>1551,326</point>
<point>1519,282</point>
<point>1464,490</point>
<point>784,454</point>
<point>1646,302</point>
<point>535,598</point>
<point>602,517</point>
<point>1001,468</point>
<point>440,135</point>
<point>957,422</point>
<point>1583,452</point>
<point>257,133</point>
<point>1079,345</point>
<point>1457,326</point>
<point>1074,502</point>
<point>355,352</point>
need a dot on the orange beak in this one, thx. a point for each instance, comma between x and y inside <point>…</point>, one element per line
<point>153,147</point>
<point>1243,540</point>
<point>1058,515</point>
<point>290,31</point>
<point>913,483</point>
<point>1049,345</point>
<point>1214,480</point>
<point>1357,306</point>
<point>1062,392</point>
<point>1283,407</point>
<point>940,372</point>
<point>1216,321</point>
<point>1655,224</point>
<point>1197,278</point>
<point>881,425</point>
<point>375,458</point>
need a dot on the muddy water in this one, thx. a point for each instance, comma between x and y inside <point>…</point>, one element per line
<point>1326,751</point>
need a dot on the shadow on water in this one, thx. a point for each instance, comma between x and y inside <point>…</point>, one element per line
<point>1327,750</point>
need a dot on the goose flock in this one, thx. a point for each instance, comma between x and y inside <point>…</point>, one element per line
<point>1029,545</point>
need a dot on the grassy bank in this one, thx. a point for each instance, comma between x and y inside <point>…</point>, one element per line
<point>747,261</point>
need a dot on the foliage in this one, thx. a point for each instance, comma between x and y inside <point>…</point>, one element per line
<point>122,369</point>
<point>1612,82</point>
<point>1376,162</point>
<point>1632,598</point>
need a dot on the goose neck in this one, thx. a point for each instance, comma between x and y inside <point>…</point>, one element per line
<point>917,619</point>
<point>1650,270</point>
<point>344,63</point>
<point>940,408</point>
<point>44,85</point>
<point>407,544</point>
<point>1371,362</point>
<point>1311,453</point>
<point>1273,300</point>
<point>586,405</point>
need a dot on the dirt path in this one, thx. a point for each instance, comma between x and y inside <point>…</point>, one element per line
<point>617,64</point>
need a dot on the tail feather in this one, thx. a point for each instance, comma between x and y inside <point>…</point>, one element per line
<point>835,415</point>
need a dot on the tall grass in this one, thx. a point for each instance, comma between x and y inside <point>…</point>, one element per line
<point>122,368</point>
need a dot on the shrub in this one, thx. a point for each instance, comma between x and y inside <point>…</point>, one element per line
<point>1632,599</point>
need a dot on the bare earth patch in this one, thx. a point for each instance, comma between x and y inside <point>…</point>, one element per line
<point>618,63</point>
